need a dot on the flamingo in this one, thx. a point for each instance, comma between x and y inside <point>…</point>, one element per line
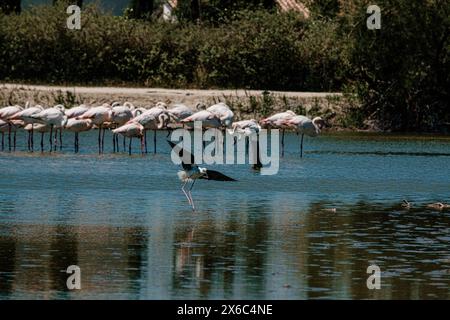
<point>4,128</point>
<point>138,111</point>
<point>179,112</point>
<point>223,112</point>
<point>191,172</point>
<point>16,124</point>
<point>130,130</point>
<point>100,116</point>
<point>77,126</point>
<point>76,111</point>
<point>6,114</point>
<point>11,127</point>
<point>207,118</point>
<point>304,125</point>
<point>277,121</point>
<point>154,119</point>
<point>119,116</point>
<point>54,117</point>
<point>40,128</point>
<point>26,116</point>
<point>247,128</point>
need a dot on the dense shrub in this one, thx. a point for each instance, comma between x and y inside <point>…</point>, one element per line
<point>252,49</point>
<point>402,71</point>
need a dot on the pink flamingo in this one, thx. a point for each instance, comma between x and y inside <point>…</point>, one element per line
<point>154,119</point>
<point>26,116</point>
<point>39,128</point>
<point>304,125</point>
<point>54,117</point>
<point>119,116</point>
<point>77,126</point>
<point>6,115</point>
<point>278,121</point>
<point>131,130</point>
<point>100,116</point>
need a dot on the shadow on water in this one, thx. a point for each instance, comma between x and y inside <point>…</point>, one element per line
<point>63,253</point>
<point>214,256</point>
<point>7,263</point>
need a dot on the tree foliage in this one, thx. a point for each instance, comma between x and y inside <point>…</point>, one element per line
<point>215,11</point>
<point>10,6</point>
<point>140,9</point>
<point>402,71</point>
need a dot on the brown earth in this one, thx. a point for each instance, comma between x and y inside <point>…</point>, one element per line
<point>245,103</point>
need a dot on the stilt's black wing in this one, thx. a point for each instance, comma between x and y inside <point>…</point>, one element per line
<point>182,152</point>
<point>216,175</point>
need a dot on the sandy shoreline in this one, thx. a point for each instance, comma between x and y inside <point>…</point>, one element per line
<point>44,94</point>
<point>156,92</point>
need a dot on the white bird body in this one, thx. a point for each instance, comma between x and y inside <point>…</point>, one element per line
<point>52,116</point>
<point>194,173</point>
<point>98,115</point>
<point>78,125</point>
<point>130,130</point>
<point>156,111</point>
<point>152,119</point>
<point>208,119</point>
<point>26,114</point>
<point>76,111</point>
<point>180,112</point>
<point>245,127</point>
<point>101,116</point>
<point>38,127</point>
<point>191,172</point>
<point>278,120</point>
<point>121,115</point>
<point>223,112</point>
<point>12,126</point>
<point>4,126</point>
<point>18,123</point>
<point>8,112</point>
<point>305,125</point>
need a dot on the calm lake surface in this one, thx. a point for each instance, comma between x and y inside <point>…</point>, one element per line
<point>125,222</point>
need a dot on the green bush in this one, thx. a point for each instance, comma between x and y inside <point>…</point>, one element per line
<point>401,72</point>
<point>252,49</point>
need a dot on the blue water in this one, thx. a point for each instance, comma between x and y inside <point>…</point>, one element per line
<point>310,231</point>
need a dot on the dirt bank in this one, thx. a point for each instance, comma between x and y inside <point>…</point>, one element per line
<point>245,103</point>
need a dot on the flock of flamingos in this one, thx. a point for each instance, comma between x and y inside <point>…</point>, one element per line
<point>134,122</point>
